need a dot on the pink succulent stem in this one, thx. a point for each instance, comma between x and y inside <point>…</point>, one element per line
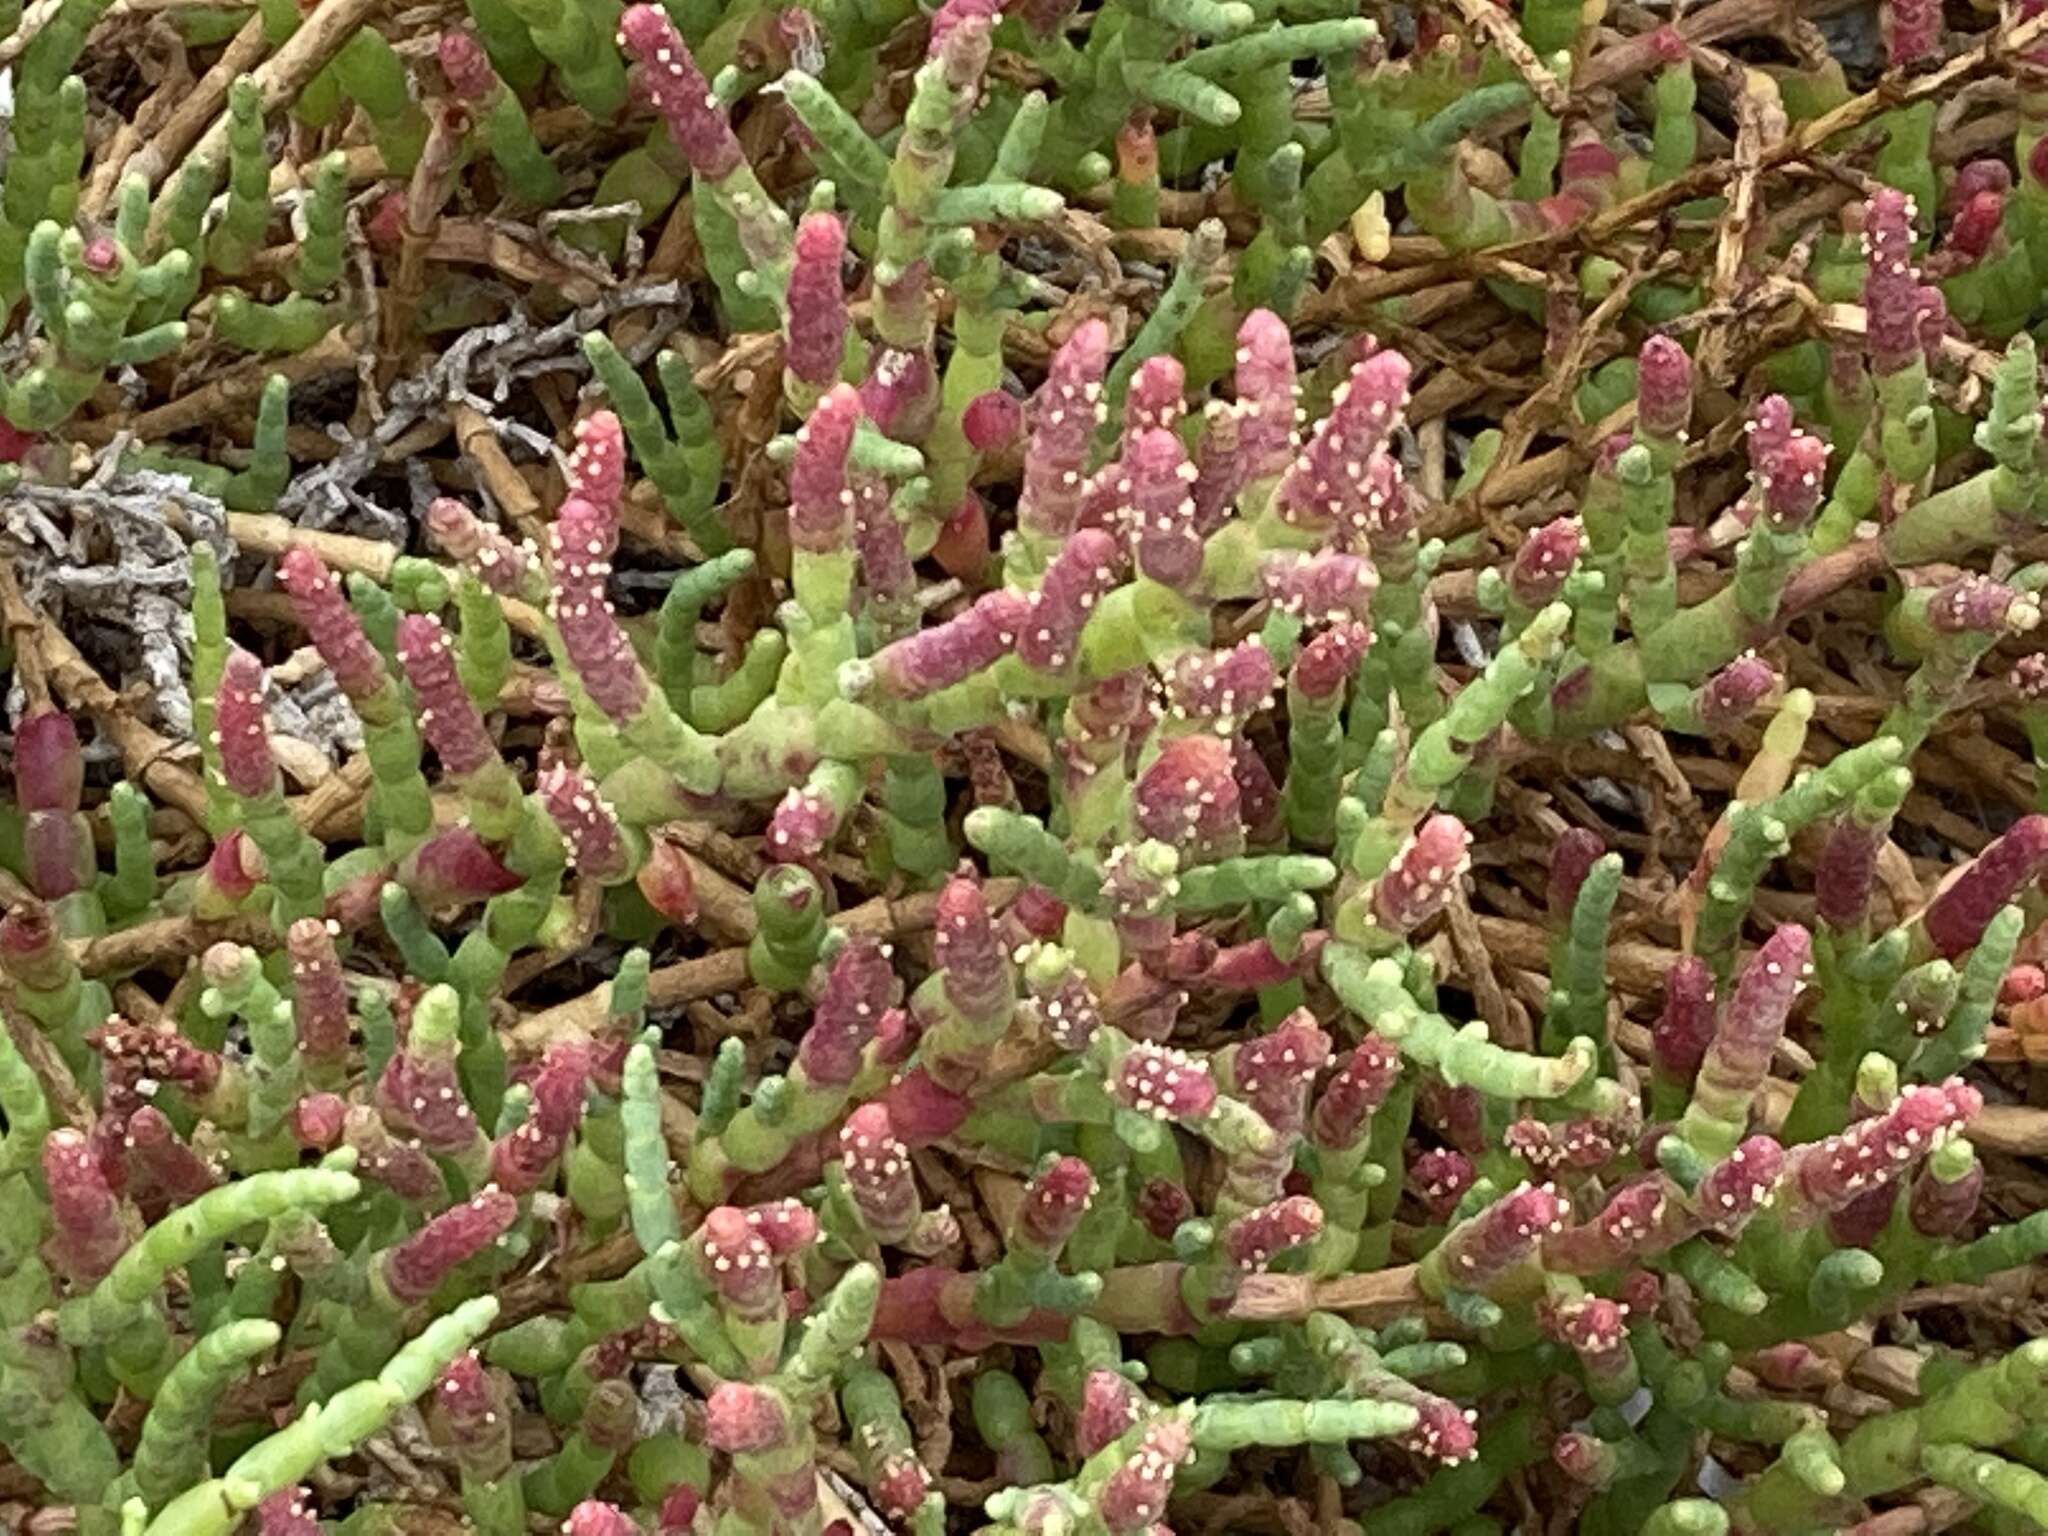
<point>448,716</point>
<point>1086,570</point>
<point>1415,887</point>
<point>1478,1253</point>
<point>581,543</point>
<point>324,613</point>
<point>1188,797</point>
<point>597,465</point>
<point>241,722</point>
<point>1961,910</point>
<point>1054,1202</point>
<point>1663,390</point>
<point>319,999</point>
<point>1266,392</point>
<point>878,1174</point>
<point>1061,421</point>
<point>1739,1058</point>
<point>453,868</point>
<point>87,1234</point>
<point>681,95</point>
<point>520,1160</point>
<point>414,1269</point>
<point>589,826</point>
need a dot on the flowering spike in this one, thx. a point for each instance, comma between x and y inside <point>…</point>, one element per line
<point>594,1517</point>
<point>1827,1176</point>
<point>1975,604</point>
<point>1729,696</point>
<point>414,1270</point>
<point>319,1000</point>
<point>580,546</point>
<point>1327,662</point>
<point>1160,512</point>
<point>740,1418</point>
<point>681,96</point>
<point>1738,1060</point>
<point>520,1160</point>
<point>900,393</point>
<point>1188,798</point>
<point>85,1213</point>
<point>1265,395</point>
<point>1893,298</point>
<point>1165,1084</point>
<point>1736,1186</point>
<point>403,1167</point>
<point>1110,1405</point>
<point>878,1174</point>
<point>1477,1254</point>
<point>1443,1431</point>
<point>1346,1106</point>
<point>949,653</point>
<point>319,1119</point>
<point>1061,420</point>
<point>1054,1202</point>
<point>1220,688</point>
<point>465,66</point>
<point>1663,389</point>
<point>1428,866</point>
<point>1791,480</point>
<point>1327,588</point>
<point>285,1513</point>
<point>1544,562</point>
<point>597,465</point>
<point>1341,478</point>
<point>49,769</point>
<point>992,421</point>
<point>1685,1028</point>
<point>1572,859</point>
<point>1440,1178</point>
<point>168,1173</point>
<point>495,560</point>
<point>1157,399</point>
<point>1134,1499</point>
<point>454,867</point>
<point>1961,910</point>
<point>597,843</point>
<point>448,716</point>
<point>240,720</point>
<point>1084,572</point>
<point>816,322</point>
<point>1912,31</point>
<point>1254,1240</point>
<point>1274,1072</point>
